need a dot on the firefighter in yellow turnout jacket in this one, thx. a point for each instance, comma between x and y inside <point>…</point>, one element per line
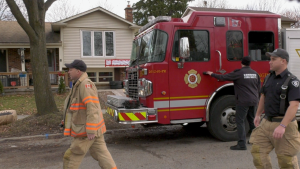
<point>84,121</point>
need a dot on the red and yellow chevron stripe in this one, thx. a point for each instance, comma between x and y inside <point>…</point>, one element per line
<point>110,111</point>
<point>132,116</point>
<point>128,116</point>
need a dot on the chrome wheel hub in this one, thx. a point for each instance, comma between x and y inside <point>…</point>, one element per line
<point>228,119</point>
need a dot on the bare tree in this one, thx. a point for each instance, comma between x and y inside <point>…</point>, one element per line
<point>5,13</point>
<point>108,5</point>
<point>294,13</point>
<point>211,3</point>
<point>60,10</point>
<point>35,29</point>
<point>3,9</point>
<point>275,6</point>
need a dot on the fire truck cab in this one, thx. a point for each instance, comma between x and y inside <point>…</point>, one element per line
<point>165,82</point>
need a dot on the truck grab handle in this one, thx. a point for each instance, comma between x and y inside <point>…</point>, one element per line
<point>205,73</point>
<point>220,59</point>
<point>220,62</point>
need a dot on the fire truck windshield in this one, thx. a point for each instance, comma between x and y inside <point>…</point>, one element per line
<point>149,48</point>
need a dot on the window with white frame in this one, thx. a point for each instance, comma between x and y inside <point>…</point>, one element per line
<point>92,76</point>
<point>98,43</point>
<point>101,76</point>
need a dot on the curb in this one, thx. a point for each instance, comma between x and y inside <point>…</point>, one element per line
<point>51,136</point>
<point>29,137</point>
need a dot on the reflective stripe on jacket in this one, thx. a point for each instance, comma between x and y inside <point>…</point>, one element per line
<point>83,111</point>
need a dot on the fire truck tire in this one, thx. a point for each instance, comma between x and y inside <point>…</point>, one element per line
<point>222,123</point>
<point>116,84</point>
<point>113,83</point>
<point>116,87</point>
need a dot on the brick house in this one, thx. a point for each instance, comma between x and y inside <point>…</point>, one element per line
<point>13,38</point>
<point>15,50</point>
<point>97,36</point>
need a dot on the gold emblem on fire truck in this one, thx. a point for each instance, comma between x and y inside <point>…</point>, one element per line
<point>193,78</point>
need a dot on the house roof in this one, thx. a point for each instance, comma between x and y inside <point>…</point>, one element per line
<point>12,32</point>
<point>283,18</point>
<point>56,25</point>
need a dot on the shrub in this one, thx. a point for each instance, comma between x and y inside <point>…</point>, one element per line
<point>1,88</point>
<point>62,85</point>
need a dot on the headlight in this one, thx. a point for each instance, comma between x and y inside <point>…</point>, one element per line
<point>145,87</point>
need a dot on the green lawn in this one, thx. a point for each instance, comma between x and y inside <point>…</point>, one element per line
<point>49,123</point>
<point>25,104</point>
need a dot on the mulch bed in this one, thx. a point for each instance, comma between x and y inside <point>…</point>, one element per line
<point>49,124</point>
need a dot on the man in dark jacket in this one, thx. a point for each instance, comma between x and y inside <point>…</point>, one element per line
<point>246,86</point>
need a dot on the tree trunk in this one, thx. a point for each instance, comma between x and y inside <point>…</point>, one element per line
<point>35,30</point>
<point>38,52</point>
<point>41,80</point>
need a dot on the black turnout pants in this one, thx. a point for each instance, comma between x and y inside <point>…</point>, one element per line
<point>241,113</point>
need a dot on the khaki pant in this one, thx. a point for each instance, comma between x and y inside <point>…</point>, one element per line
<point>286,148</point>
<point>79,147</point>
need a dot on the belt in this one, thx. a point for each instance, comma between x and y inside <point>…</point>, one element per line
<point>276,118</point>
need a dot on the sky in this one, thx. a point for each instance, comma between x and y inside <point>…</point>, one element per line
<point>118,6</point>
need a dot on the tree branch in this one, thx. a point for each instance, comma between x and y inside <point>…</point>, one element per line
<point>20,18</point>
<point>48,4</point>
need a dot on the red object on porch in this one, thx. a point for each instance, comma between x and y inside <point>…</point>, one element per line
<point>13,83</point>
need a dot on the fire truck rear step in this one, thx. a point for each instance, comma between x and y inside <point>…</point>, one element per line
<point>186,121</point>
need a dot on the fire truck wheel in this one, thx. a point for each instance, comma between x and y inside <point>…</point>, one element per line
<point>222,123</point>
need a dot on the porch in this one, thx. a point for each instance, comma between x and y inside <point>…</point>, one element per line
<point>24,80</point>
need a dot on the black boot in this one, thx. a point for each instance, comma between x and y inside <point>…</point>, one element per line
<point>237,147</point>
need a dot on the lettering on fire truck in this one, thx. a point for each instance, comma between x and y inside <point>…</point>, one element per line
<point>262,76</point>
<point>298,51</point>
<point>157,71</point>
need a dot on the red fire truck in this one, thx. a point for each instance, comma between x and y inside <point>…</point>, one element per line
<point>165,82</point>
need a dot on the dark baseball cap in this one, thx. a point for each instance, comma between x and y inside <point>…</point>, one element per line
<point>246,60</point>
<point>279,53</point>
<point>77,64</point>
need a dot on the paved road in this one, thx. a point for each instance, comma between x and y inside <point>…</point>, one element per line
<point>152,148</point>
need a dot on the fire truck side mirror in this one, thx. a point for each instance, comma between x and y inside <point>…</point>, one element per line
<point>184,50</point>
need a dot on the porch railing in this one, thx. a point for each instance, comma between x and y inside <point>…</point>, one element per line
<point>25,80</point>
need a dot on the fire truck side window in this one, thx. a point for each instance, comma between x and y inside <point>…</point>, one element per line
<point>234,43</point>
<point>259,44</point>
<point>199,45</point>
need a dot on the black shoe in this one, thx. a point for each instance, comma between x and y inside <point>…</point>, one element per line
<point>237,147</point>
<point>248,142</point>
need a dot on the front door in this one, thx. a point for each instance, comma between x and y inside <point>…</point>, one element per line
<point>189,88</point>
<point>51,65</point>
<point>3,67</point>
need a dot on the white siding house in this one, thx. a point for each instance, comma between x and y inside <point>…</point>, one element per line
<point>95,36</point>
